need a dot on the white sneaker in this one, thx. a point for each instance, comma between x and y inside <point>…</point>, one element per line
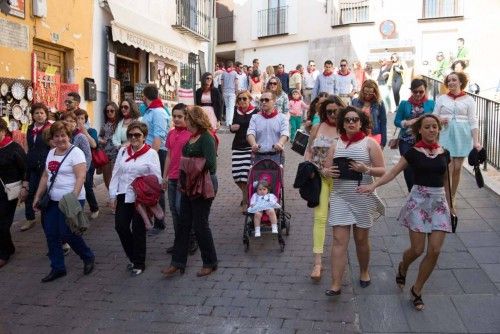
<point>274,228</point>
<point>28,224</point>
<point>94,215</point>
<point>257,232</point>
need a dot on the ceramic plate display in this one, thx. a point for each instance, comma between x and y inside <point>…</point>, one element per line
<point>172,81</point>
<point>169,71</point>
<point>164,80</point>
<point>13,125</point>
<point>170,88</point>
<point>24,119</point>
<point>29,94</point>
<point>17,111</point>
<point>177,77</point>
<point>18,90</point>
<point>24,104</point>
<point>4,89</point>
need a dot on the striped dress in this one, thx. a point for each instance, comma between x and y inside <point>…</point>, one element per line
<point>348,207</point>
<point>241,156</point>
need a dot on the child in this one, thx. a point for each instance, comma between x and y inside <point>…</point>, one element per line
<point>263,201</point>
<point>298,109</point>
<point>147,191</point>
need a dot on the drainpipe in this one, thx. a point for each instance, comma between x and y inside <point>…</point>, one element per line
<point>213,38</point>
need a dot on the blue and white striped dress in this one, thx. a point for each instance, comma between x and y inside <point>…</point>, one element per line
<point>348,207</point>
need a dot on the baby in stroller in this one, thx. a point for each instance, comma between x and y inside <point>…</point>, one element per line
<point>264,201</point>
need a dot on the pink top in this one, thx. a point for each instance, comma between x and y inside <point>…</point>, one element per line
<point>176,140</point>
<point>296,107</point>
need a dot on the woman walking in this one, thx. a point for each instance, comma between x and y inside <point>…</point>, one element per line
<point>12,170</point>
<point>321,139</point>
<point>358,158</point>
<point>241,151</point>
<point>129,112</point>
<point>195,210</point>
<point>396,77</point>
<point>281,103</point>
<point>111,119</point>
<point>407,114</point>
<point>426,213</point>
<point>210,100</point>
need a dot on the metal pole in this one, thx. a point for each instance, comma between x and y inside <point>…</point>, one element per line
<point>213,38</point>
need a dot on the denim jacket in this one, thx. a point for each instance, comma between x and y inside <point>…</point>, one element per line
<point>378,118</point>
<point>405,111</point>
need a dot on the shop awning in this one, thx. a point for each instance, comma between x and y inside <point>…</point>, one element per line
<point>133,29</point>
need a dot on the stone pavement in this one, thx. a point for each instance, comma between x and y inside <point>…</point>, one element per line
<point>264,290</point>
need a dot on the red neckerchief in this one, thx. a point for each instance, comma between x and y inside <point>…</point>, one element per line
<point>428,146</point>
<point>416,103</point>
<point>155,104</point>
<point>454,97</point>
<point>6,141</point>
<point>36,131</point>
<point>138,153</point>
<point>331,123</point>
<point>355,138</point>
<point>256,81</point>
<point>180,128</point>
<point>271,115</point>
<point>249,109</point>
<point>327,74</point>
<point>342,74</point>
<point>77,131</point>
<point>229,70</point>
<point>293,72</point>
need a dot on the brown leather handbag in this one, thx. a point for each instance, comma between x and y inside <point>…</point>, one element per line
<point>194,178</point>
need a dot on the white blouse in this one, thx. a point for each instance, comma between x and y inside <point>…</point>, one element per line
<point>463,109</point>
<point>125,172</point>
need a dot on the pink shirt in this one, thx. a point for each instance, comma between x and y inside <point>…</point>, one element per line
<point>296,107</point>
<point>175,142</point>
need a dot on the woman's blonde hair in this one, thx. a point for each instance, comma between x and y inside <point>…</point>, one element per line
<point>369,83</point>
<point>244,93</point>
<point>270,70</point>
<point>198,118</point>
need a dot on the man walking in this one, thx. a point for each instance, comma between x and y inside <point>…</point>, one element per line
<point>345,83</point>
<point>242,76</point>
<point>295,81</point>
<point>229,82</point>
<point>310,77</point>
<point>325,81</point>
<point>280,74</point>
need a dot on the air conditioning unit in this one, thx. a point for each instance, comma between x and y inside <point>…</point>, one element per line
<point>40,8</point>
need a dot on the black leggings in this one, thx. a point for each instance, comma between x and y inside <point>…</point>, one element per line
<point>396,87</point>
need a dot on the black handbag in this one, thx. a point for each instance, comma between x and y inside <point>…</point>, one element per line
<point>453,217</point>
<point>300,142</point>
<point>346,173</point>
<point>43,203</point>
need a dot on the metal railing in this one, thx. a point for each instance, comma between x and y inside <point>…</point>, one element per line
<point>225,29</point>
<point>488,114</point>
<point>442,8</point>
<point>193,17</point>
<point>273,21</point>
<point>350,11</point>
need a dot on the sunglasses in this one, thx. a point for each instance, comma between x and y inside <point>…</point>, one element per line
<point>265,100</point>
<point>331,112</point>
<point>209,78</point>
<point>125,107</point>
<point>135,135</point>
<point>349,120</point>
<point>418,91</point>
<point>242,98</point>
<point>110,110</point>
<point>273,83</point>
<point>68,102</point>
<point>343,65</point>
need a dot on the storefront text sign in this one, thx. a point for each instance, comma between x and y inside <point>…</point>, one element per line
<point>14,35</point>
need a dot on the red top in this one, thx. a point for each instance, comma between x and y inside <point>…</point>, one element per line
<point>176,139</point>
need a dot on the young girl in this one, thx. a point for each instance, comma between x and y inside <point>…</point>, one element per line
<point>264,201</point>
<point>298,109</point>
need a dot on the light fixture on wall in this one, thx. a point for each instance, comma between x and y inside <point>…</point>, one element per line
<point>40,8</point>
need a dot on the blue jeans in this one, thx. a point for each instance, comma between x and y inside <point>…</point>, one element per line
<point>34,180</point>
<point>408,172</point>
<point>57,232</point>
<point>89,189</point>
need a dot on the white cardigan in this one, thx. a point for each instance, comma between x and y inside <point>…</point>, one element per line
<point>463,108</point>
<point>124,173</point>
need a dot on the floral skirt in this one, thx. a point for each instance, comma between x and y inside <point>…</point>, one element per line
<point>426,210</point>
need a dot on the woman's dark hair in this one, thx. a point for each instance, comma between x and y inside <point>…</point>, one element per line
<point>312,107</point>
<point>415,83</point>
<point>134,109</point>
<point>366,124</point>
<point>117,113</point>
<point>255,74</point>
<point>461,62</point>
<point>68,114</point>
<point>59,126</point>
<point>36,106</point>
<point>462,77</point>
<point>4,127</point>
<point>418,125</point>
<point>332,99</point>
<point>138,125</point>
<point>179,106</point>
<point>204,80</point>
<point>81,112</point>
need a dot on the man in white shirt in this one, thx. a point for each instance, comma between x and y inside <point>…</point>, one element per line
<point>309,79</point>
<point>229,83</point>
<point>345,83</point>
<point>242,76</point>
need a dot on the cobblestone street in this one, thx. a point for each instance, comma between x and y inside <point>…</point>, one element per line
<point>264,290</point>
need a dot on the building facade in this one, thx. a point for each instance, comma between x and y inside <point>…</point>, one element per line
<point>293,31</point>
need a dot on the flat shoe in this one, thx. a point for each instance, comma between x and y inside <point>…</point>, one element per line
<point>331,293</point>
<point>364,284</point>
<point>53,275</point>
<point>170,271</point>
<point>205,271</point>
<point>28,225</point>
<point>88,267</point>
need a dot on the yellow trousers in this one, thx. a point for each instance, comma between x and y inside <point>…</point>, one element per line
<point>321,215</point>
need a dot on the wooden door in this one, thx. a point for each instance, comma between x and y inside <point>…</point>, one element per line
<point>50,56</point>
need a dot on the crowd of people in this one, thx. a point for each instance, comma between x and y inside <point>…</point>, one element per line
<point>176,152</point>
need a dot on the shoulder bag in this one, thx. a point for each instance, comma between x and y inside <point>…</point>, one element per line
<point>44,200</point>
<point>453,217</point>
<point>300,142</point>
<point>394,142</point>
<point>12,189</point>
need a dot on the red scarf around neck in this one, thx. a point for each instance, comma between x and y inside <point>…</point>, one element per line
<point>77,131</point>
<point>138,153</point>
<point>293,72</point>
<point>355,138</point>
<point>454,97</point>
<point>249,109</point>
<point>417,103</point>
<point>6,141</point>
<point>428,146</point>
<point>180,128</point>
<point>229,70</point>
<point>331,123</point>
<point>255,79</point>
<point>344,75</point>
<point>271,115</point>
<point>155,104</point>
<point>38,130</point>
<point>327,74</point>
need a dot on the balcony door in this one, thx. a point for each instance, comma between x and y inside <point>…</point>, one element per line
<point>276,17</point>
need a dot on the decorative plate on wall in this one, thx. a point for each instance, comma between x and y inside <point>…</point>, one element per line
<point>4,89</point>
<point>18,90</point>
<point>24,104</point>
<point>29,94</point>
<point>17,111</point>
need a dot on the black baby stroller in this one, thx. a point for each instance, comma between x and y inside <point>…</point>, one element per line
<point>266,168</point>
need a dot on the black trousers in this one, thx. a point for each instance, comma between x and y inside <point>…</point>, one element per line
<point>132,236</point>
<point>160,224</point>
<point>7,211</point>
<point>396,87</point>
<point>194,213</point>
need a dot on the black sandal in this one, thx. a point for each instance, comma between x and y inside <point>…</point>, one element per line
<point>331,293</point>
<point>400,278</point>
<point>417,301</point>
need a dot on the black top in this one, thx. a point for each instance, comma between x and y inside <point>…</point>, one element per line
<point>216,98</point>
<point>37,149</point>
<point>12,164</point>
<point>427,172</point>
<point>240,137</point>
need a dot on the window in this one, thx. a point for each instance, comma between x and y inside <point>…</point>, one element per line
<point>274,20</point>
<point>442,8</point>
<point>188,72</point>
<point>350,11</point>
<point>193,17</point>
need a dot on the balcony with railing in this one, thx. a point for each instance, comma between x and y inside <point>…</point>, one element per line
<point>345,12</point>
<point>272,22</point>
<point>435,9</point>
<point>193,18</point>
<point>225,29</point>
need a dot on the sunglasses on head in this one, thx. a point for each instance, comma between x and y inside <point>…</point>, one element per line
<point>265,99</point>
<point>135,135</point>
<point>351,120</point>
<point>243,98</point>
